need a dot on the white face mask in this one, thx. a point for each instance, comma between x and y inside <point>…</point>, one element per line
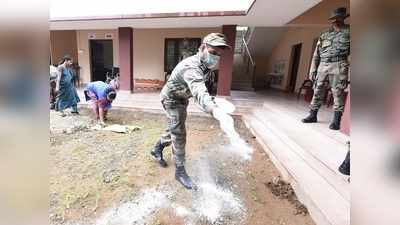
<point>212,61</point>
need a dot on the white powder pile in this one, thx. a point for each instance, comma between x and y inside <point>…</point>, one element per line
<point>182,211</point>
<point>237,145</point>
<point>188,215</point>
<point>214,202</point>
<point>137,211</point>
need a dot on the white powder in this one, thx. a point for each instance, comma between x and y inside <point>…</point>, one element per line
<point>137,211</point>
<point>214,202</point>
<point>210,202</point>
<point>237,145</point>
<point>181,211</point>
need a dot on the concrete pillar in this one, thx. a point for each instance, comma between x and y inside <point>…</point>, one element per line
<point>226,62</point>
<point>125,35</point>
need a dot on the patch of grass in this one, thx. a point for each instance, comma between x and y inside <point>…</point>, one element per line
<point>72,197</point>
<point>157,222</point>
<point>253,194</point>
<point>77,179</point>
<point>74,193</point>
<point>151,135</point>
<point>251,176</point>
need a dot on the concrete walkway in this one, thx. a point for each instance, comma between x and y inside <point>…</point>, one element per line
<point>150,101</point>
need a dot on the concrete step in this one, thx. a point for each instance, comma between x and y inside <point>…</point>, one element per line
<point>321,151</point>
<point>242,86</point>
<point>242,80</point>
<point>240,74</point>
<point>298,113</point>
<point>308,159</point>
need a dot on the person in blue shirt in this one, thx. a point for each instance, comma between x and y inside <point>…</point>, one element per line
<point>102,95</point>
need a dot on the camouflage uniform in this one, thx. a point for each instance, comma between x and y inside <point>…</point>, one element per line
<point>330,60</point>
<point>186,81</point>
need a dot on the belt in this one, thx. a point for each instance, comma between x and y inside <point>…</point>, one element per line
<point>180,101</point>
<point>334,59</point>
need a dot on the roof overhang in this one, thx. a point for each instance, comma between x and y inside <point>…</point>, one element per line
<point>209,13</point>
<point>77,10</point>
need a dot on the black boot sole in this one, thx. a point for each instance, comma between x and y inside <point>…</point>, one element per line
<point>309,121</point>
<point>160,160</point>
<point>334,127</point>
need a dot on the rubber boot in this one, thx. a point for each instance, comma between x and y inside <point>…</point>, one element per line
<point>311,118</point>
<point>158,154</point>
<point>335,125</point>
<point>182,177</point>
<point>344,168</point>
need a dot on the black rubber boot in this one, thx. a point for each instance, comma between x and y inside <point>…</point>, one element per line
<point>344,168</point>
<point>182,177</point>
<point>158,154</point>
<point>311,118</point>
<point>335,125</point>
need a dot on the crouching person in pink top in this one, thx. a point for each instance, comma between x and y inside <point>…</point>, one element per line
<point>101,96</point>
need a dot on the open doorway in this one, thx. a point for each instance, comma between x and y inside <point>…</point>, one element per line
<point>101,59</point>
<point>294,67</point>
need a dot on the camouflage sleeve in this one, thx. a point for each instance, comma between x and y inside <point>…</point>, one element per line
<point>197,86</point>
<point>315,61</point>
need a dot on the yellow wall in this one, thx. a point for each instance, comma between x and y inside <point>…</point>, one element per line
<point>303,29</point>
<point>84,51</point>
<point>282,52</point>
<point>148,48</point>
<point>62,43</point>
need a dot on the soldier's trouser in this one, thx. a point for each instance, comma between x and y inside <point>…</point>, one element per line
<point>175,132</point>
<point>337,73</point>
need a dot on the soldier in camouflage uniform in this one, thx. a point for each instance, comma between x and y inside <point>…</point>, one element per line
<point>187,80</point>
<point>330,60</point>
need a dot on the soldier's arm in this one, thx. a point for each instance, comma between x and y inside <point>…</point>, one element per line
<point>195,81</point>
<point>315,61</point>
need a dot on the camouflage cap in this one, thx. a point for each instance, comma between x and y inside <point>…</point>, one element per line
<point>216,40</point>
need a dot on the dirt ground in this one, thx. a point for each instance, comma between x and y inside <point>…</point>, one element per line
<point>106,178</point>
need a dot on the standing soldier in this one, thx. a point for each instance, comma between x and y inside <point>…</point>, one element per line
<point>331,59</point>
<point>187,80</point>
